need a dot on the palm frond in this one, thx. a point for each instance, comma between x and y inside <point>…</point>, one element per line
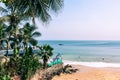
<point>32,28</point>
<point>33,41</point>
<point>3,10</point>
<point>56,4</point>
<point>40,47</point>
<point>36,34</point>
<point>42,12</point>
<point>8,29</point>
<point>5,18</point>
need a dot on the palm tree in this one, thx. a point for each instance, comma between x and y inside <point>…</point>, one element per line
<point>45,53</point>
<point>21,10</point>
<point>13,17</point>
<point>35,8</point>
<point>2,35</point>
<point>28,34</point>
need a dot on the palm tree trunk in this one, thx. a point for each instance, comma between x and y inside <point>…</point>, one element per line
<point>1,46</point>
<point>25,45</point>
<point>7,50</point>
<point>44,64</point>
<point>9,46</point>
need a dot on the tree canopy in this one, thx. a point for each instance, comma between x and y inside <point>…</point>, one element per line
<point>32,9</point>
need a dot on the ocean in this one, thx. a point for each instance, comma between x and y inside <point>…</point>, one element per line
<point>90,53</point>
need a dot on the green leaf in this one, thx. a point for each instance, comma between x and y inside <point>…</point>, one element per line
<point>36,34</point>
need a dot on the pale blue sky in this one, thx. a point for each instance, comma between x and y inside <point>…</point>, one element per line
<point>84,20</point>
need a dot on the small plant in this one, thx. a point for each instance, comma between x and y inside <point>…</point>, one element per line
<point>69,69</point>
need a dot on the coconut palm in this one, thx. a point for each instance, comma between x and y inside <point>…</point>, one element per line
<point>21,10</point>
<point>45,53</point>
<point>13,18</point>
<point>28,34</point>
<point>35,8</point>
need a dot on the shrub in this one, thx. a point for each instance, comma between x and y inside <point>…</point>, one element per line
<point>4,72</point>
<point>25,66</point>
<point>5,77</point>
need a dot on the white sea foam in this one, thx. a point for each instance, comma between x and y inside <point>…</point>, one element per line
<point>93,64</point>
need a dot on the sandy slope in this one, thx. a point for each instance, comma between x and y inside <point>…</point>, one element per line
<point>90,73</point>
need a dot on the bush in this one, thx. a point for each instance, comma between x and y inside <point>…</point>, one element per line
<point>5,77</point>
<point>4,72</point>
<point>24,66</point>
<point>27,65</point>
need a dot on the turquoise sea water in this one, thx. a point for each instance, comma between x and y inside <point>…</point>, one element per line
<point>87,51</point>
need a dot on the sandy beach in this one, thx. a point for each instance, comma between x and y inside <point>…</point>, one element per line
<point>91,73</point>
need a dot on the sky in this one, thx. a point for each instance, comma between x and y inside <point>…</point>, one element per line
<point>84,20</point>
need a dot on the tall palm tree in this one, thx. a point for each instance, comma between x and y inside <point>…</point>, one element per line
<point>28,34</point>
<point>45,53</point>
<point>21,10</point>
<point>13,17</point>
<point>35,8</point>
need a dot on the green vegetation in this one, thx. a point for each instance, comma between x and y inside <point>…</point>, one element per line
<point>5,77</point>
<point>17,33</point>
<point>45,53</point>
<point>24,66</point>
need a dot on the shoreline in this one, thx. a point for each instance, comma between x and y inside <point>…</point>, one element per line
<point>93,64</point>
<point>91,73</point>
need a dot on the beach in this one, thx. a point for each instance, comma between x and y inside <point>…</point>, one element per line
<point>96,60</point>
<point>91,73</point>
